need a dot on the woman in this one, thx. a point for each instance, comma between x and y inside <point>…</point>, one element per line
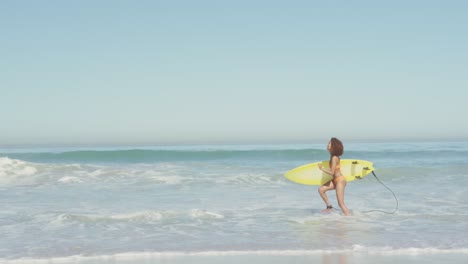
<point>335,147</point>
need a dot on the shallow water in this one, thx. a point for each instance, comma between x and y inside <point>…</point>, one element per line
<point>59,203</point>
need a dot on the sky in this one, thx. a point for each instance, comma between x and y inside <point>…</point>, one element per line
<point>190,72</point>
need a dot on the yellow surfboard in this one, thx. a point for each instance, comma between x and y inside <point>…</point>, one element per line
<point>310,174</point>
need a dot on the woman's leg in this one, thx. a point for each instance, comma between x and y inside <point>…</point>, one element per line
<point>322,191</point>
<point>340,189</point>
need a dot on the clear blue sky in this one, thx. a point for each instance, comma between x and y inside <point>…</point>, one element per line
<point>171,72</point>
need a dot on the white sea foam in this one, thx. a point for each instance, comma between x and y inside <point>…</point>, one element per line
<point>69,179</point>
<point>144,216</point>
<point>170,180</point>
<point>15,167</point>
<point>196,213</point>
<point>16,171</point>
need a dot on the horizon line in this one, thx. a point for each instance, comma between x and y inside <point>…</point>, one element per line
<point>226,142</point>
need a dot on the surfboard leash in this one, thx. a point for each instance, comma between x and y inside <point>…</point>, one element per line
<point>396,199</point>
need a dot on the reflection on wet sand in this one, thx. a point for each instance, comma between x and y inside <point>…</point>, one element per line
<point>337,258</point>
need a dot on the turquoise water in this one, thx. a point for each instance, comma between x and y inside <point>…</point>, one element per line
<point>60,203</point>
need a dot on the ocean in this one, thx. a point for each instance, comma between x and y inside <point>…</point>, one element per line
<point>176,204</point>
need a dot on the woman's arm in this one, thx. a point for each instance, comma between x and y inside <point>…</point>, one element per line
<point>332,169</point>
